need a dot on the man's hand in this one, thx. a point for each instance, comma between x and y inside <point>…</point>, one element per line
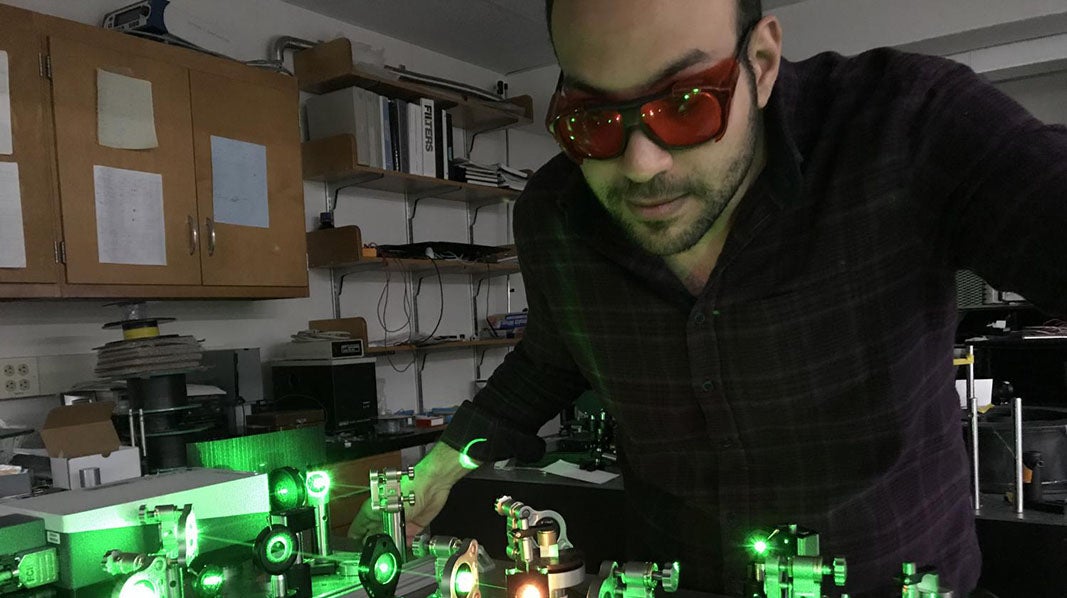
<point>434,477</point>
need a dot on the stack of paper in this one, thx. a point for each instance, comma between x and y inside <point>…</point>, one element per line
<point>491,175</point>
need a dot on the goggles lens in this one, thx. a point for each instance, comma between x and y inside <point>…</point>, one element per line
<point>689,113</point>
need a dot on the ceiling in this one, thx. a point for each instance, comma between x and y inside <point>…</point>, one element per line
<point>503,36</point>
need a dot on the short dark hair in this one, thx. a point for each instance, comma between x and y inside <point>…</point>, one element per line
<point>749,12</point>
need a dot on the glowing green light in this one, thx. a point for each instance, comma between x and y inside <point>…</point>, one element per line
<point>279,548</point>
<point>385,568</point>
<point>318,484</point>
<point>286,488</point>
<point>464,459</point>
<point>210,580</point>
<point>464,580</point>
<point>192,538</point>
<point>760,546</point>
<point>142,588</point>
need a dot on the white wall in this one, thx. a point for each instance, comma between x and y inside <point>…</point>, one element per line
<point>1045,96</point>
<point>243,29</point>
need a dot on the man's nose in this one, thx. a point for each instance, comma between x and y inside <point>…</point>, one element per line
<point>643,159</point>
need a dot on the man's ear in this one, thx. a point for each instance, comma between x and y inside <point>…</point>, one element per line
<point>765,56</point>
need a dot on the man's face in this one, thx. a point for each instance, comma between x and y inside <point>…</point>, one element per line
<point>618,50</point>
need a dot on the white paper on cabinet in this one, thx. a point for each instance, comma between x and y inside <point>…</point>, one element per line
<point>5,105</point>
<point>129,217</point>
<point>125,118</point>
<point>12,237</point>
<point>239,182</point>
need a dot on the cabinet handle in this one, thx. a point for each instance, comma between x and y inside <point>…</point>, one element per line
<point>194,234</point>
<point>210,237</point>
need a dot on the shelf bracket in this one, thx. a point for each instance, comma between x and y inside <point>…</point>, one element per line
<point>333,190</point>
<point>474,217</point>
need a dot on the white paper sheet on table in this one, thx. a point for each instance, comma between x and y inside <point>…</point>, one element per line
<point>239,182</point>
<point>125,118</point>
<point>5,105</point>
<point>570,470</point>
<point>129,217</point>
<point>12,236</point>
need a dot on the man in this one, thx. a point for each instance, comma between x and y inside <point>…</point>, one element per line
<point>752,263</point>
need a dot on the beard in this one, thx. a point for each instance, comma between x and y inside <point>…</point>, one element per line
<point>711,193</point>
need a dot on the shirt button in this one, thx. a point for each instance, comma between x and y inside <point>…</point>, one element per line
<point>707,386</point>
<point>700,318</point>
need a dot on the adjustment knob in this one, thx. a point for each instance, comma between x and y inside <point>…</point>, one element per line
<point>840,572</point>
<point>420,545</point>
<point>668,576</point>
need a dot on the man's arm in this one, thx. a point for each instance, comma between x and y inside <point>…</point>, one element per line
<point>992,179</point>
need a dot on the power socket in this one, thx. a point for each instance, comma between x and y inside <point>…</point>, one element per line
<point>19,377</point>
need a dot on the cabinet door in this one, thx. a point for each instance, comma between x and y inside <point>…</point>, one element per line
<point>34,261</point>
<point>246,133</point>
<point>75,62</point>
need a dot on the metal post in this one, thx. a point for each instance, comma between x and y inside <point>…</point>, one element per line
<point>1017,412</point>
<point>322,528</point>
<point>972,405</point>
<point>144,438</point>
<point>395,527</point>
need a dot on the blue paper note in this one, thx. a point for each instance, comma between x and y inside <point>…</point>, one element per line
<point>239,182</point>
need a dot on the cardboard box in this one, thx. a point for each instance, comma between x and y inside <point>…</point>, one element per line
<point>123,463</point>
<point>80,430</point>
<point>356,326</point>
<point>81,437</point>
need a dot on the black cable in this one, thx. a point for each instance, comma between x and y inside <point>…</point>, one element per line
<point>488,287</point>
<point>470,147</point>
<point>441,311</point>
<point>383,314</point>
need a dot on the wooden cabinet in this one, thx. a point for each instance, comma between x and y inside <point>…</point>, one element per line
<point>31,123</point>
<point>265,113</point>
<point>78,153</point>
<point>194,98</point>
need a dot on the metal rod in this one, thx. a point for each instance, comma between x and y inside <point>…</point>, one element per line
<point>335,291</point>
<point>322,528</point>
<point>144,440</point>
<point>133,430</point>
<point>1017,412</point>
<point>972,405</point>
<point>394,525</point>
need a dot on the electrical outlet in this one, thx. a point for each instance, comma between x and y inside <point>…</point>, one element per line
<point>18,377</point>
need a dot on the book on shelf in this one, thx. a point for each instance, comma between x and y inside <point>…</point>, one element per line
<point>414,134</point>
<point>388,158</point>
<point>428,130</point>
<point>390,133</point>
